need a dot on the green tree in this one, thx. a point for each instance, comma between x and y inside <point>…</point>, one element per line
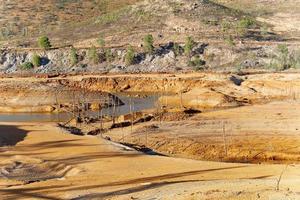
<point>93,55</point>
<point>148,44</point>
<point>130,56</point>
<point>36,60</point>
<point>73,56</point>
<point>189,45</point>
<point>44,42</point>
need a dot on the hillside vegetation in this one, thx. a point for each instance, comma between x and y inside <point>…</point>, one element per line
<point>25,19</point>
<point>73,21</point>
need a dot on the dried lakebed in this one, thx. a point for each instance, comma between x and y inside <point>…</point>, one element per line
<point>83,167</point>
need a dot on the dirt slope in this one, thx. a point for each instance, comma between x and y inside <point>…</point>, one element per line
<point>120,22</point>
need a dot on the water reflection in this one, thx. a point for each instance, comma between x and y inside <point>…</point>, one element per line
<point>138,104</point>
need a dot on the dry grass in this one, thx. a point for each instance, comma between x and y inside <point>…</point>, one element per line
<point>69,22</point>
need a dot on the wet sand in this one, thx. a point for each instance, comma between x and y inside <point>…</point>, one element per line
<point>100,169</point>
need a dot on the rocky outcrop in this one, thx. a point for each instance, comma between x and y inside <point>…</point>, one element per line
<point>164,59</point>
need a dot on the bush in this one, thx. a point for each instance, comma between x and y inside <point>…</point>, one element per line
<point>93,55</point>
<point>130,56</point>
<point>73,56</point>
<point>101,41</point>
<point>284,59</point>
<point>27,66</point>
<point>189,45</point>
<point>196,62</point>
<point>229,40</point>
<point>148,44</point>
<point>109,57</point>
<point>243,25</point>
<point>44,42</point>
<point>176,49</point>
<point>36,60</point>
<point>225,28</point>
<point>246,22</point>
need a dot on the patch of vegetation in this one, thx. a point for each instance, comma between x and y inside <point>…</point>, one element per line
<point>243,25</point>
<point>246,22</point>
<point>142,15</point>
<point>229,41</point>
<point>197,63</point>
<point>176,7</point>
<point>26,66</point>
<point>109,57</point>
<point>73,56</point>
<point>148,44</point>
<point>176,49</point>
<point>225,28</point>
<point>264,31</point>
<point>36,60</point>
<point>93,55</point>
<point>111,17</point>
<point>101,41</point>
<point>189,45</point>
<point>130,56</point>
<point>285,59</point>
<point>44,42</point>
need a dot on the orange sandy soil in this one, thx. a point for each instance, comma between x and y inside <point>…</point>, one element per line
<point>104,170</point>
<point>258,133</point>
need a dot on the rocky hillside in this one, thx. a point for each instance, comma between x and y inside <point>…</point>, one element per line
<point>225,35</point>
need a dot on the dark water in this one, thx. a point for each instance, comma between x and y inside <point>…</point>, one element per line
<point>138,104</point>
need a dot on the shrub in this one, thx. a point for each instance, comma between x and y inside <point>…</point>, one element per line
<point>188,47</point>
<point>73,56</point>
<point>101,41</point>
<point>246,22</point>
<point>93,55</point>
<point>229,40</point>
<point>196,62</point>
<point>243,25</point>
<point>296,59</point>
<point>130,56</point>
<point>148,44</point>
<point>109,57</point>
<point>176,49</point>
<point>36,60</point>
<point>225,26</point>
<point>44,42</point>
<point>284,59</point>
<point>264,31</point>
<point>27,66</point>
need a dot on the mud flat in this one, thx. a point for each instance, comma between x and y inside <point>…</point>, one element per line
<point>90,168</point>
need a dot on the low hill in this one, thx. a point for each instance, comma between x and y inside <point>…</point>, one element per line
<point>121,21</point>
